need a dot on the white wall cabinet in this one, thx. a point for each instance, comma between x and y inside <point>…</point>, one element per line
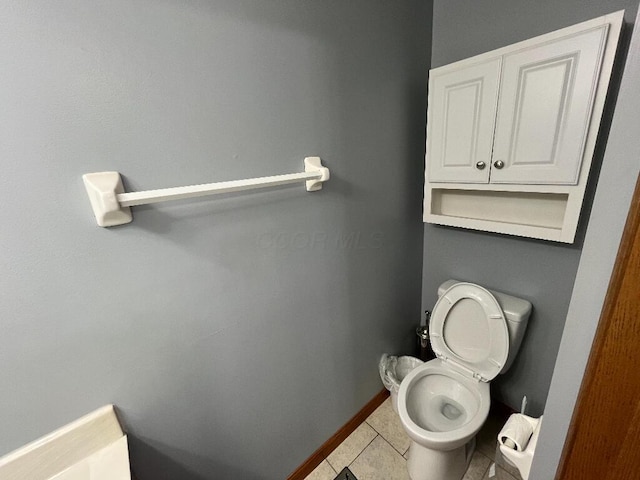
<point>462,121</point>
<point>545,106</point>
<point>511,133</point>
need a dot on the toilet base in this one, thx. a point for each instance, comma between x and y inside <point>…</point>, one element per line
<point>427,464</point>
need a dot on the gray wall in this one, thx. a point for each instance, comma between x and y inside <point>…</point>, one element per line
<point>610,208</point>
<point>542,272</point>
<point>235,334</point>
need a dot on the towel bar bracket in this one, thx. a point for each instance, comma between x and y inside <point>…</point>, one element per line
<point>111,205</point>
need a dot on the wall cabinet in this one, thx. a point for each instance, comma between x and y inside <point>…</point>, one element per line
<point>462,104</point>
<point>511,133</point>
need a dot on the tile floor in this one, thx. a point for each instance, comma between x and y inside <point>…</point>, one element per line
<point>377,450</point>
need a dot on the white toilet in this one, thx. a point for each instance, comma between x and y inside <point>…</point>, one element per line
<point>444,403</point>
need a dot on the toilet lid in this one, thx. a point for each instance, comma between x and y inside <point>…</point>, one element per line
<point>468,329</point>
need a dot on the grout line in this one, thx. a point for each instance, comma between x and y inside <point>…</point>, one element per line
<point>385,439</point>
<point>394,449</point>
<point>331,465</point>
<point>363,449</point>
<point>374,429</point>
<point>401,454</point>
<point>352,461</point>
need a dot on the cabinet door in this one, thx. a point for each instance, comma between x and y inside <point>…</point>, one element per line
<point>545,107</point>
<point>461,119</point>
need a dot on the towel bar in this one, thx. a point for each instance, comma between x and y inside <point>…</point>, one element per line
<point>111,205</point>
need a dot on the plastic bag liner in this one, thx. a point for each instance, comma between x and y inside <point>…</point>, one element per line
<point>393,370</point>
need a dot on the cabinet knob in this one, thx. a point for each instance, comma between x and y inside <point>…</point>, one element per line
<point>480,165</point>
<point>498,164</point>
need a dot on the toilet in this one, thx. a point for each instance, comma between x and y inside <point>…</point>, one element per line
<point>443,403</point>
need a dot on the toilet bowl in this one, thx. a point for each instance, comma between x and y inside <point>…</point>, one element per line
<point>443,404</point>
<point>443,408</point>
<point>442,412</point>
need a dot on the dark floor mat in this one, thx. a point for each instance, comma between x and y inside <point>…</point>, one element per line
<point>346,474</point>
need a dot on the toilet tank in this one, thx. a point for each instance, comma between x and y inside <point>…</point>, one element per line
<point>516,312</point>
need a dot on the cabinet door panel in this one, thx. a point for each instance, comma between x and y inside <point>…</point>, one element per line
<point>461,119</point>
<point>545,107</point>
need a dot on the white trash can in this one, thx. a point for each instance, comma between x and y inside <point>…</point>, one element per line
<point>393,370</point>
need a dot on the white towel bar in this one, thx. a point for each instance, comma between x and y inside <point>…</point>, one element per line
<point>111,204</point>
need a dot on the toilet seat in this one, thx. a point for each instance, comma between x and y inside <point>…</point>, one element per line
<point>468,331</point>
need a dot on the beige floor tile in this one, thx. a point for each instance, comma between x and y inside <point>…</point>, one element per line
<point>380,461</point>
<point>387,423</point>
<point>478,467</point>
<point>322,472</point>
<point>501,474</point>
<point>352,446</point>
